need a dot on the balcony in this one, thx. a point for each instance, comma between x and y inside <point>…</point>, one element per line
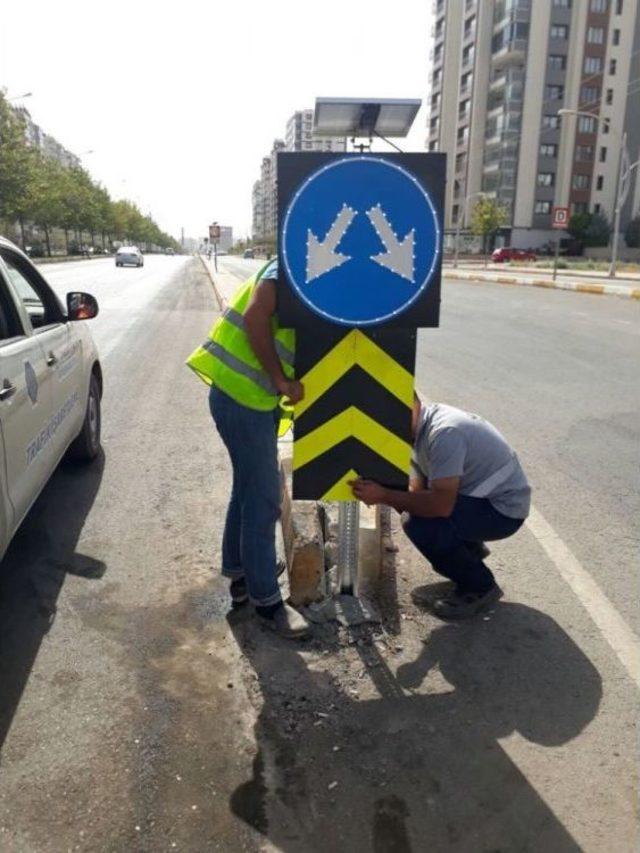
<point>511,52</point>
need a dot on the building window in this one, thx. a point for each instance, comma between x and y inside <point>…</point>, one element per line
<point>599,6</point>
<point>618,7</point>
<point>559,63</point>
<point>463,133</point>
<point>596,208</point>
<point>612,66</point>
<point>545,179</point>
<point>543,207</point>
<point>584,153</point>
<point>435,81</point>
<point>579,207</point>
<point>586,124</point>
<point>435,101</point>
<point>554,93</point>
<point>547,150</point>
<point>609,97</point>
<point>559,31</point>
<point>455,210</point>
<point>433,146</point>
<point>603,155</point>
<point>600,182</point>
<point>551,122</point>
<point>616,38</point>
<point>592,64</point>
<point>595,35</point>
<point>563,4</point>
<point>580,182</point>
<point>589,95</point>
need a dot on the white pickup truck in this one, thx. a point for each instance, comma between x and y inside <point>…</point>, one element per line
<point>50,385</point>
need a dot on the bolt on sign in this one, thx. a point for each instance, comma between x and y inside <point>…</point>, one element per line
<point>360,245</point>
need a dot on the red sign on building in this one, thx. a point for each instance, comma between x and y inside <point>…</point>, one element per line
<point>560,217</point>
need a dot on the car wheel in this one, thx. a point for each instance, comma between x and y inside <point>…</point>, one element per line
<point>86,446</point>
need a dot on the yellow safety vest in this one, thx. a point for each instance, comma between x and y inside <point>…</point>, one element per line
<point>227,360</point>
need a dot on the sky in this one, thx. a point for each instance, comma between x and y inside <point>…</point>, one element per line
<point>179,105</point>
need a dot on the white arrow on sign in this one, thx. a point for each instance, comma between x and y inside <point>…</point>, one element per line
<point>398,256</point>
<point>322,256</point>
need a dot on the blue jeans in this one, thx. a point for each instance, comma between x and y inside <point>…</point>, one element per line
<point>249,541</point>
<point>448,543</point>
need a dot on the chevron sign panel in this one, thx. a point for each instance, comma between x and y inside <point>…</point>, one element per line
<point>355,419</point>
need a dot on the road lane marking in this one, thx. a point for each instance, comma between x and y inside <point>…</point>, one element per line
<point>612,626</point>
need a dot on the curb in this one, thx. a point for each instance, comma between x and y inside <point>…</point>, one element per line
<point>66,259</point>
<point>599,289</point>
<point>221,302</point>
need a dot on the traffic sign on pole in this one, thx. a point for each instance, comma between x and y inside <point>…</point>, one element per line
<point>560,217</point>
<point>214,232</point>
<point>360,240</point>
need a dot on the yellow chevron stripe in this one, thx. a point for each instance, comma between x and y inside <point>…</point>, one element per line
<point>355,348</point>
<point>352,422</point>
<point>341,491</point>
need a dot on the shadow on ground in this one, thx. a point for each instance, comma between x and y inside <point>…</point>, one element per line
<point>421,766</point>
<point>33,572</point>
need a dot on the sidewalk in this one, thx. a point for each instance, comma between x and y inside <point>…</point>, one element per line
<point>621,278</point>
<point>627,290</point>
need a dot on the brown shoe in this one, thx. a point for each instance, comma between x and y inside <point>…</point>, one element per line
<point>287,622</point>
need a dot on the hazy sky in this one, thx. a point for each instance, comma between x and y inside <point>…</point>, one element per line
<point>180,105</point>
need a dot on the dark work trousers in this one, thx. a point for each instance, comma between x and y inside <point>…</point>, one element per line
<point>448,543</point>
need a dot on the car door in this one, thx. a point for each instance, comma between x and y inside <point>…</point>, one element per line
<point>63,350</point>
<point>26,406</point>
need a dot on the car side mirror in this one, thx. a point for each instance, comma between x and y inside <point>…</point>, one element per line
<point>81,306</point>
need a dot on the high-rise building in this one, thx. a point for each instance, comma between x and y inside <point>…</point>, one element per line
<point>300,135</point>
<point>501,73</point>
<point>49,146</point>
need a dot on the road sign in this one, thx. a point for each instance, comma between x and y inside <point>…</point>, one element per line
<point>560,217</point>
<point>214,232</point>
<point>360,265</point>
<point>361,239</point>
<point>355,418</point>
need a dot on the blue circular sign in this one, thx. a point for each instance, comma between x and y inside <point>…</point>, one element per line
<point>360,241</point>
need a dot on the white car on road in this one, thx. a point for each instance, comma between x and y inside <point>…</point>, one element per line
<point>129,255</point>
<point>50,385</point>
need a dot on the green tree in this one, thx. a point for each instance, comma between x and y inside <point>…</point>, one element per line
<point>632,233</point>
<point>488,216</point>
<point>17,167</point>
<point>46,206</point>
<point>590,229</point>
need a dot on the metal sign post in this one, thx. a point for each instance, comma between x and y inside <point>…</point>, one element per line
<point>360,243</point>
<point>214,236</point>
<point>560,219</point>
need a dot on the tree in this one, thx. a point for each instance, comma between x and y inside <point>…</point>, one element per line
<point>17,167</point>
<point>591,229</point>
<point>487,217</point>
<point>632,233</point>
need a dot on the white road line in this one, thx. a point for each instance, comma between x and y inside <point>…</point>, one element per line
<point>613,627</point>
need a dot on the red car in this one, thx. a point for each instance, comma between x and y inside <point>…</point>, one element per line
<point>508,254</point>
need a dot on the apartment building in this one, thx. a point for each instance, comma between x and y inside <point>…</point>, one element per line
<point>300,135</point>
<point>501,71</point>
<point>49,146</point>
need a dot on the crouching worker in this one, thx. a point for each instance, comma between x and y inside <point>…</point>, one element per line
<point>467,487</point>
<point>248,362</point>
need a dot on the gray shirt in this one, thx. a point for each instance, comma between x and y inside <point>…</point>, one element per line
<point>453,443</point>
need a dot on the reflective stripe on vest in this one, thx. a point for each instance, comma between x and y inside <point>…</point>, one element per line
<point>236,319</point>
<point>257,376</point>
<point>227,360</point>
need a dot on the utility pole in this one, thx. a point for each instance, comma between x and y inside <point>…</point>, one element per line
<point>618,208</point>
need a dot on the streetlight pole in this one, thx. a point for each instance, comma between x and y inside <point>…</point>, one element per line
<point>618,200</point>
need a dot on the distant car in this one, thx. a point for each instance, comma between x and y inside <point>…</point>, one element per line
<point>50,385</point>
<point>169,251</point>
<point>129,255</point>
<point>506,253</point>
<point>248,253</point>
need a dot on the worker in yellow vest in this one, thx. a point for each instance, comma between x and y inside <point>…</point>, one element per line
<point>248,362</point>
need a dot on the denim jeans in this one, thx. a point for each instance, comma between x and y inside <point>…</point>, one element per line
<point>249,540</point>
<point>448,542</point>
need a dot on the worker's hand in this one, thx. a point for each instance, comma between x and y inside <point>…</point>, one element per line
<point>368,492</point>
<point>291,389</point>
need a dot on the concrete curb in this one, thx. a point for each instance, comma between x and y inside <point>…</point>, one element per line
<point>65,259</point>
<point>579,287</point>
<point>221,302</point>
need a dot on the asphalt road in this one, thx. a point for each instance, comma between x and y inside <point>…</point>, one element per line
<point>135,716</point>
